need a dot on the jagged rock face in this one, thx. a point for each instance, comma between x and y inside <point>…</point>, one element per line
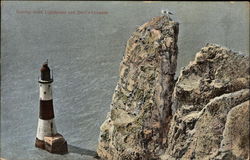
<point>212,108</point>
<point>136,127</point>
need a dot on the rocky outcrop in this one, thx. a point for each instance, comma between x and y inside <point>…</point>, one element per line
<point>211,104</point>
<point>235,140</point>
<point>137,125</point>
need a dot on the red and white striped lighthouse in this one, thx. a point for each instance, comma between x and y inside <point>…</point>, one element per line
<point>46,131</point>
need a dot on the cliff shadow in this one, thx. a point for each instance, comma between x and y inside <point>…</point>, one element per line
<point>82,151</point>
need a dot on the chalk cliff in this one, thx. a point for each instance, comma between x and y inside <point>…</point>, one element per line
<point>204,115</point>
<point>137,125</point>
<point>211,99</point>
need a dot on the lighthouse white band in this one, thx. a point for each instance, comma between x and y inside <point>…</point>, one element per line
<point>45,91</point>
<point>45,128</point>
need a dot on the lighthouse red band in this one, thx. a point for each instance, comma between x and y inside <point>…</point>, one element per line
<point>46,124</point>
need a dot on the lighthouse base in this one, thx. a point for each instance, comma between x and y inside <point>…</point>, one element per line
<point>40,144</point>
<point>56,144</point>
<point>53,144</point>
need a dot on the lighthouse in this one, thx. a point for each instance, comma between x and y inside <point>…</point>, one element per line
<point>47,136</point>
